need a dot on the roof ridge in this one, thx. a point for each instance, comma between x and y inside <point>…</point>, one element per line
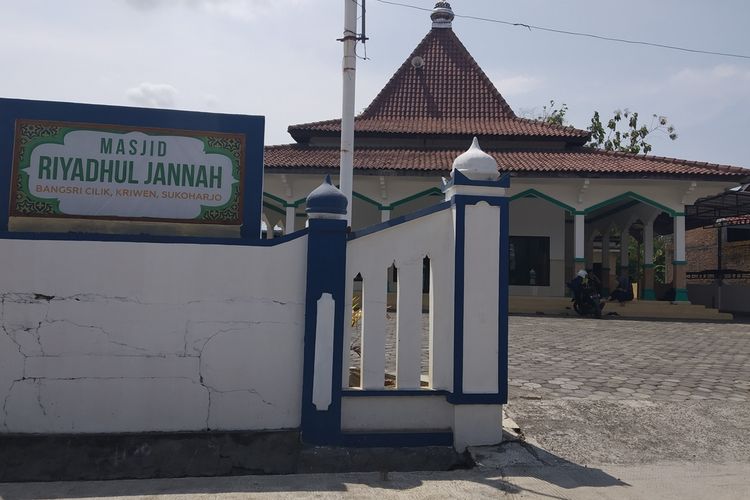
<point>552,125</point>
<point>663,159</point>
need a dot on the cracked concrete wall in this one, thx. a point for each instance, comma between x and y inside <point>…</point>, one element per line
<point>135,337</point>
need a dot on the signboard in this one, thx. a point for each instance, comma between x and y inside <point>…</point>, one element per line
<point>124,167</point>
<point>71,170</point>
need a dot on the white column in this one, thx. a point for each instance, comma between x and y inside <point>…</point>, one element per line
<point>680,282</point>
<point>385,215</point>
<point>580,239</point>
<point>679,238</point>
<point>289,223</point>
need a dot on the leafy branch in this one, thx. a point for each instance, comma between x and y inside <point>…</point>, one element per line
<point>623,132</point>
<point>630,138</point>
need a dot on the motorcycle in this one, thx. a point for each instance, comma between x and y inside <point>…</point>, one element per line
<point>588,302</point>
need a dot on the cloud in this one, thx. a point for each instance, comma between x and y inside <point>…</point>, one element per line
<point>237,9</point>
<point>153,95</point>
<point>517,84</point>
<point>707,78</point>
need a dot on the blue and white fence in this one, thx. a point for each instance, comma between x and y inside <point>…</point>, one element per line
<point>113,334</point>
<point>459,401</point>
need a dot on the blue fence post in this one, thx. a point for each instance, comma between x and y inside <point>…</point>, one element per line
<point>324,315</point>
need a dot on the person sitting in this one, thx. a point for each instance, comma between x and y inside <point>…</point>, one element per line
<point>624,291</point>
<point>578,283</point>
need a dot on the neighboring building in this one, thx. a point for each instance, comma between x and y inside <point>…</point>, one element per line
<point>703,249</point>
<point>567,199</point>
<point>719,264</point>
<point>718,238</point>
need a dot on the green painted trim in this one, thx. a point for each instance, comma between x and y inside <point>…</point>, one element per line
<point>274,208</point>
<point>614,211</point>
<point>274,198</point>
<point>681,295</point>
<point>649,294</point>
<point>360,196</point>
<point>366,199</point>
<point>284,203</point>
<point>538,194</point>
<point>633,196</point>
<point>579,259</point>
<point>649,266</point>
<point>578,212</point>
<point>678,214</point>
<point>679,262</point>
<point>421,194</point>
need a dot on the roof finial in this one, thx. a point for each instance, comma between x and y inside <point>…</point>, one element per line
<point>442,15</point>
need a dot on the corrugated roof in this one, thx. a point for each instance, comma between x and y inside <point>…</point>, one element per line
<point>579,161</point>
<point>447,94</point>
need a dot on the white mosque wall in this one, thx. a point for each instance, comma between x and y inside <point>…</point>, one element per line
<point>137,337</point>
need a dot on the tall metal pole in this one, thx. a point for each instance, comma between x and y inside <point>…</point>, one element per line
<point>346,169</point>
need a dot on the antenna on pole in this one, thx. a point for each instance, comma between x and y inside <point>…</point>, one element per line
<point>363,36</point>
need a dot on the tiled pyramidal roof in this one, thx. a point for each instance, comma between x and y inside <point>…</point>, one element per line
<point>440,89</point>
<point>440,93</point>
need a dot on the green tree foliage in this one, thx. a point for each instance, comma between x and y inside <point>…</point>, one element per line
<point>636,251</point>
<point>553,114</point>
<point>625,134</point>
<point>622,133</point>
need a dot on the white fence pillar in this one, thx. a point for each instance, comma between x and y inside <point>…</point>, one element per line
<point>481,281</point>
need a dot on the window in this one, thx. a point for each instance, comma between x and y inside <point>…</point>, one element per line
<point>529,260</point>
<point>737,234</point>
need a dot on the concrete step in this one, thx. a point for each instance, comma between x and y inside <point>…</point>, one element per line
<point>635,309</point>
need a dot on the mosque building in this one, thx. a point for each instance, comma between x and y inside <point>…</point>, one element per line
<point>570,204</point>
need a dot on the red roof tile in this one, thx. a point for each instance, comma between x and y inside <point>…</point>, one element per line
<point>448,94</point>
<point>439,161</point>
<point>740,220</point>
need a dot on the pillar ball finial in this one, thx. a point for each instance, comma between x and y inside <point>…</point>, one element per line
<point>442,15</point>
<point>326,201</point>
<point>476,165</point>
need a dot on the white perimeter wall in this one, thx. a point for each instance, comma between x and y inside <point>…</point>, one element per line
<point>536,217</point>
<point>133,337</point>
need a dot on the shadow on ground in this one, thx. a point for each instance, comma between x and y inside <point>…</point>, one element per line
<point>500,468</point>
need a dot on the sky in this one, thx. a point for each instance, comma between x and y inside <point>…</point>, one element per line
<point>280,59</point>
